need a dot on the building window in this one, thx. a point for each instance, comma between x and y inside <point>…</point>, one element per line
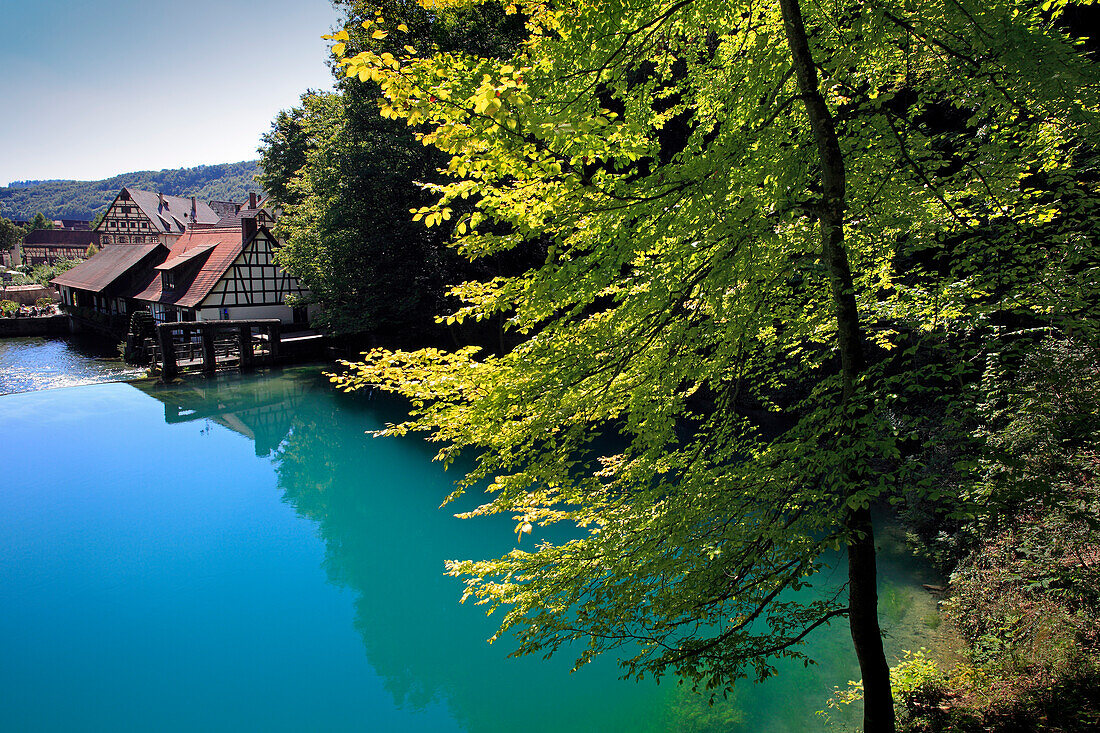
<point>106,239</point>
<point>122,240</point>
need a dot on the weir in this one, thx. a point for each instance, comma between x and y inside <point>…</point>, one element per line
<point>210,344</point>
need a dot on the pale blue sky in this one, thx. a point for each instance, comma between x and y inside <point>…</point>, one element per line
<point>90,89</point>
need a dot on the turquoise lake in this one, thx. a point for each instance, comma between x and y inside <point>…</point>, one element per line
<point>236,554</point>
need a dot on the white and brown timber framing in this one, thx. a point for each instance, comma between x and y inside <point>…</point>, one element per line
<point>219,273</point>
<point>253,279</point>
<point>143,217</point>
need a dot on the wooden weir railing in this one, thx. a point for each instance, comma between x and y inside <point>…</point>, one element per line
<point>183,344</point>
<point>226,350</point>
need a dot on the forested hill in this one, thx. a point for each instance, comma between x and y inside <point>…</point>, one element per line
<point>84,199</point>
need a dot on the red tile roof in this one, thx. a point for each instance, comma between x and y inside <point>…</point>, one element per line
<point>222,247</point>
<point>175,260</point>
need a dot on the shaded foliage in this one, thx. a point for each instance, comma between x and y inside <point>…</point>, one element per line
<point>346,179</point>
<point>1025,557</point>
<point>10,234</point>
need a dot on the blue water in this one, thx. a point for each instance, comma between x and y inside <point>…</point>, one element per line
<point>235,554</point>
<point>34,363</point>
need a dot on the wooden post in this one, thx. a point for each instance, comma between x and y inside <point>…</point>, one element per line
<point>168,368</point>
<point>274,337</point>
<point>245,338</point>
<point>209,358</point>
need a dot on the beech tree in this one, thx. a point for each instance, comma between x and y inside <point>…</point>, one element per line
<point>758,215</point>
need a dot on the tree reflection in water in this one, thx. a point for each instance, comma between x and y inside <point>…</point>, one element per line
<point>376,503</point>
<point>376,506</point>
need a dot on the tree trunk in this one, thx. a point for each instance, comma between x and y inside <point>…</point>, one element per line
<point>878,715</point>
<point>878,700</point>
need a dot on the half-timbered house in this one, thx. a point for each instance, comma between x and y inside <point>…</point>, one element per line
<point>142,217</point>
<point>223,273</point>
<point>47,246</point>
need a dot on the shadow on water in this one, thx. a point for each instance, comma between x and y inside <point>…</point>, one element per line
<point>375,503</point>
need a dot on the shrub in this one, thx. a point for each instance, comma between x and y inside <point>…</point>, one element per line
<point>1027,593</point>
<point>919,689</point>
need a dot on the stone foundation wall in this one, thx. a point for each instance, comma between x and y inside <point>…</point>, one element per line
<point>39,326</point>
<point>28,294</point>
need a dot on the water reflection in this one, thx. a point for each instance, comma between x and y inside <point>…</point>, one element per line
<point>375,504</point>
<point>261,410</point>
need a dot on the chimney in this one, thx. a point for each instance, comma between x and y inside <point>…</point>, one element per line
<point>252,200</point>
<point>160,202</point>
<point>248,228</point>
<point>193,216</point>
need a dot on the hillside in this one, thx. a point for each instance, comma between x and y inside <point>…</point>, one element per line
<point>84,199</point>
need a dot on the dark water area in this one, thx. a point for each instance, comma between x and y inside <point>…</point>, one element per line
<point>33,363</point>
<point>237,554</point>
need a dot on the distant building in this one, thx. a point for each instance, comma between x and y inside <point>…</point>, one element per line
<point>254,209</point>
<point>144,217</point>
<point>47,246</point>
<point>225,208</point>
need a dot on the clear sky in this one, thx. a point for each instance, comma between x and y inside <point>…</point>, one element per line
<point>90,88</point>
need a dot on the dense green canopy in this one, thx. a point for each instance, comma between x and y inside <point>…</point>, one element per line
<point>346,178</point>
<point>678,391</point>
